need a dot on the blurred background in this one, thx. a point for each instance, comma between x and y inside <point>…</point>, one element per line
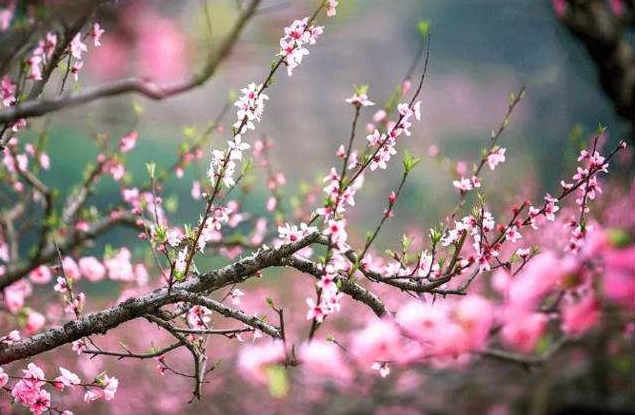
<point>481,51</point>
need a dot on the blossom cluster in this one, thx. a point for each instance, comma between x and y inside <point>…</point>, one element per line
<point>384,144</point>
<point>42,55</point>
<point>18,162</point>
<point>29,390</point>
<point>293,44</point>
<point>585,180</point>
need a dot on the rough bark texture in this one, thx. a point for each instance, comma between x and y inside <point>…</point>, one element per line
<point>102,321</point>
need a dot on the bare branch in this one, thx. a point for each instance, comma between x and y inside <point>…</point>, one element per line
<point>230,312</point>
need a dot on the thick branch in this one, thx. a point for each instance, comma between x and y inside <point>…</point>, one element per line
<point>349,287</point>
<point>102,321</point>
<point>230,312</point>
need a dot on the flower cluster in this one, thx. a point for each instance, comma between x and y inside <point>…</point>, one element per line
<point>586,182</point>
<point>29,389</point>
<point>467,184</point>
<point>496,157</point>
<point>296,37</point>
<point>42,55</point>
<point>384,144</point>
<point>17,162</point>
<point>7,91</point>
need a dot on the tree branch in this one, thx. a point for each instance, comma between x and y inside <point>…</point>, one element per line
<point>102,321</point>
<point>139,85</point>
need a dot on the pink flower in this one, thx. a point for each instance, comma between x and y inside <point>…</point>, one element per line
<point>67,378</point>
<point>15,294</point>
<point>523,328</point>
<point>128,141</point>
<point>236,294</point>
<point>61,286</point>
<point>77,46</point>
<point>119,267</point>
<point>296,37</point>
<point>560,6</point>
<point>46,47</point>
<point>475,314</point>
<point>92,269</point>
<point>5,19</point>
<point>580,316</point>
<point>382,368</point>
<point>117,170</point>
<point>512,234</point>
<point>141,274</point>
<point>378,342</point>
<point>34,374</point>
<point>254,360</point>
<point>110,388</point>
<point>495,158</point>
<point>34,63</point>
<point>441,335</point>
<point>96,33</point>
<point>12,337</point>
<point>45,161</point>
<point>466,184</point>
<point>618,282</point>
<point>7,91</point>
<point>360,100</point>
<point>163,55</point>
<point>34,322</point>
<point>36,399</point>
<point>541,275</point>
<point>336,229</point>
<point>106,390</point>
<point>196,190</point>
<point>316,311</point>
<point>617,6</point>
<point>198,317</point>
<point>330,8</point>
<point>78,346</point>
<point>40,275</point>
<point>4,378</point>
<point>271,204</point>
<point>291,233</point>
<point>75,69</point>
<point>324,358</point>
<point>71,270</point>
<point>550,207</point>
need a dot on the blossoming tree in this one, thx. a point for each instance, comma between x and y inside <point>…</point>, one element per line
<point>479,286</point>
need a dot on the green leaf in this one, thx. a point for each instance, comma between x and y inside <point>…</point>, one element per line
<point>601,128</point>
<point>189,131</point>
<point>172,204</point>
<point>618,237</point>
<point>137,108</point>
<point>406,242</point>
<point>409,161</point>
<point>423,27</point>
<point>361,89</point>
<point>278,381</point>
<point>151,167</point>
